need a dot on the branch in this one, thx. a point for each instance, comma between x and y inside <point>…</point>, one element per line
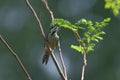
<point>84,66</point>
<point>58,66</point>
<point>47,7</point>
<point>16,57</point>
<point>37,19</point>
<point>62,61</point>
<point>44,37</point>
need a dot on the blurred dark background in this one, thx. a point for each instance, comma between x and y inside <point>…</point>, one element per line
<point>20,30</point>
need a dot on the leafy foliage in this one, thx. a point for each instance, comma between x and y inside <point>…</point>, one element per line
<point>114,5</point>
<point>92,33</point>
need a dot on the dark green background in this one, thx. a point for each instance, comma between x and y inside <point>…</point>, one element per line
<point>19,28</point>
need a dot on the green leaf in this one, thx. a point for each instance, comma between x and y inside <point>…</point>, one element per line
<point>114,5</point>
<point>65,24</point>
<point>100,38</point>
<point>107,20</point>
<point>90,47</point>
<point>77,48</point>
<point>90,23</point>
<point>81,21</point>
<point>102,32</point>
<point>96,40</point>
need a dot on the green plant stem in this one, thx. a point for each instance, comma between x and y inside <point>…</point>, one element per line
<point>16,57</point>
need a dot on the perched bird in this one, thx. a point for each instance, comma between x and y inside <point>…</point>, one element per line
<point>52,39</point>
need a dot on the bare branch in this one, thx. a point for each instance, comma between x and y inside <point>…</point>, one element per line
<point>16,57</point>
<point>37,19</point>
<point>62,61</point>
<point>44,37</point>
<point>51,13</point>
<point>58,66</point>
<point>84,66</point>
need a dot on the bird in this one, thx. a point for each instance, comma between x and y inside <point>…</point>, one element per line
<point>52,39</point>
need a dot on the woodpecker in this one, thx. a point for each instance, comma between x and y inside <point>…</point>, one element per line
<point>52,39</point>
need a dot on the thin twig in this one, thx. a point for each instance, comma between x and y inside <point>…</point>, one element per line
<point>16,57</point>
<point>51,13</point>
<point>44,37</point>
<point>37,19</point>
<point>84,66</point>
<point>62,61</point>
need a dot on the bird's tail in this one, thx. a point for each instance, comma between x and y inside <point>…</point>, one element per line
<point>46,55</point>
<point>45,59</point>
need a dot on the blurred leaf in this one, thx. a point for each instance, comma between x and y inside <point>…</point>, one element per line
<point>65,24</point>
<point>114,5</point>
<point>90,47</point>
<point>77,48</point>
<point>82,21</point>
